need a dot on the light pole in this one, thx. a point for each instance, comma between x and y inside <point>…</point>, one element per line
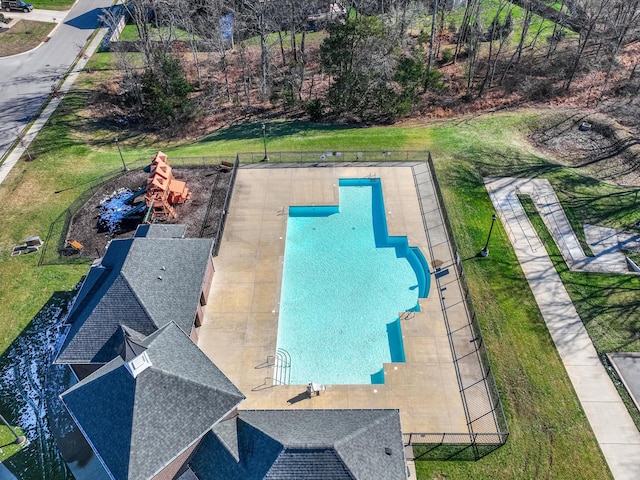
<point>485,251</point>
<point>20,440</point>
<point>124,165</point>
<point>264,141</point>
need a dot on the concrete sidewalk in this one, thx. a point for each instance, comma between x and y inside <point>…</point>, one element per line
<point>604,242</point>
<point>612,425</point>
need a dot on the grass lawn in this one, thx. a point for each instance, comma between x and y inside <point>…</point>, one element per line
<point>8,447</point>
<point>52,4</point>
<point>23,36</point>
<point>550,437</point>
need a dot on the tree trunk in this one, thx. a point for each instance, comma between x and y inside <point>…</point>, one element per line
<point>432,38</point>
<point>584,40</point>
<point>284,58</point>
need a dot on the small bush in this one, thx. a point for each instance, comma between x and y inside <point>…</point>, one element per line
<point>446,56</point>
<point>314,109</point>
<point>433,79</point>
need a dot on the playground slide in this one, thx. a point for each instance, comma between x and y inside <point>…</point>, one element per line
<point>135,195</point>
<point>139,208</point>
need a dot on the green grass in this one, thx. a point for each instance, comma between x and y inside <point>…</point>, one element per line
<point>549,433</point>
<point>613,331</point>
<point>130,33</point>
<point>8,447</point>
<point>52,4</point>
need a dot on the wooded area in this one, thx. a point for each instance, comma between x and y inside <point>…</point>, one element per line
<point>369,60</point>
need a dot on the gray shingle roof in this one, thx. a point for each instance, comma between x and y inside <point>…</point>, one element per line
<point>304,444</point>
<point>142,283</point>
<point>158,230</point>
<point>309,464</point>
<point>139,425</point>
<point>167,276</point>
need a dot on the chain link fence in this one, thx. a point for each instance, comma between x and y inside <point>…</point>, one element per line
<point>327,158</point>
<point>53,250</point>
<point>486,420</point>
<point>483,409</point>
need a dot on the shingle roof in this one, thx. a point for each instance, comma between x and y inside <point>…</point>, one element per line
<point>304,444</point>
<point>139,425</point>
<point>309,464</point>
<point>157,230</point>
<point>141,283</point>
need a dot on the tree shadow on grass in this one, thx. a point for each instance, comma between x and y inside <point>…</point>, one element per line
<point>25,392</point>
<point>249,130</point>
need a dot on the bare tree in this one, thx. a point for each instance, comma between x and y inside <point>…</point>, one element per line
<point>500,32</point>
<point>432,37</point>
<point>593,11</point>
<point>258,10</point>
<point>517,53</point>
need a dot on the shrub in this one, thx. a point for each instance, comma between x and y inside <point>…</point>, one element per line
<point>446,56</point>
<point>314,109</point>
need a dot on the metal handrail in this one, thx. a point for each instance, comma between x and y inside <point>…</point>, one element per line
<point>281,366</point>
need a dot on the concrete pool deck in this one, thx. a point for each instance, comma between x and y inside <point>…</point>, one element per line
<point>241,317</point>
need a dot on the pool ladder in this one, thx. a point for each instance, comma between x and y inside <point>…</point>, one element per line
<point>281,367</point>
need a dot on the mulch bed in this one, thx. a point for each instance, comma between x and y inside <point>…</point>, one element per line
<point>202,213</point>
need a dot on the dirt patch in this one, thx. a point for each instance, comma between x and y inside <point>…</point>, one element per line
<point>202,213</point>
<point>595,144</point>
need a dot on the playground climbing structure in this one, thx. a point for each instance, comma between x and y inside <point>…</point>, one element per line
<point>163,191</point>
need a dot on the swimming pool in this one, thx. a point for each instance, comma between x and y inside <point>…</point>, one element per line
<point>344,283</point>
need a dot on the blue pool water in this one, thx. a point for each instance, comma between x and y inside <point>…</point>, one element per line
<point>344,283</point>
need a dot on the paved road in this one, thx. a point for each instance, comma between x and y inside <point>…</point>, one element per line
<point>27,78</point>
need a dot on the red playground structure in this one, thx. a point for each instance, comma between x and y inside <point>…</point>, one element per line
<point>163,190</point>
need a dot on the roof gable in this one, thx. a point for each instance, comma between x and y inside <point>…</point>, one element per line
<point>289,444</point>
<point>309,464</point>
<point>141,283</point>
<point>97,338</point>
<point>216,457</point>
<point>138,426</point>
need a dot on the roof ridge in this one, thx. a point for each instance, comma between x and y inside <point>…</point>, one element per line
<point>190,380</point>
<point>136,296</point>
<point>97,284</point>
<point>361,430</point>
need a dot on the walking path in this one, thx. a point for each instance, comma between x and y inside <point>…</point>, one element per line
<point>612,425</point>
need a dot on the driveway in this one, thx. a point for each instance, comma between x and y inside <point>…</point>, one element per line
<point>38,15</point>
